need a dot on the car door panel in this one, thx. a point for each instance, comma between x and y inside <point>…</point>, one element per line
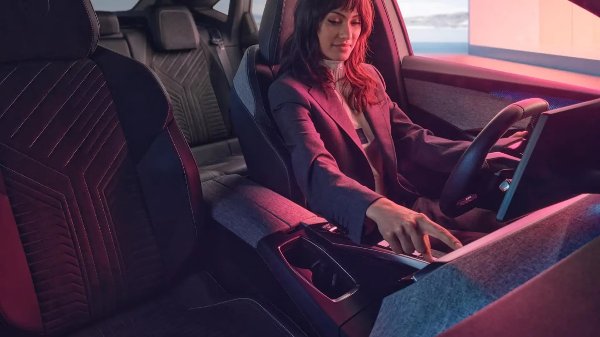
<point>455,100</point>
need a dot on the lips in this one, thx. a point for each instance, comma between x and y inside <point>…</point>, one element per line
<point>343,46</point>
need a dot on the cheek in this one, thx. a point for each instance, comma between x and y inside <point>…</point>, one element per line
<point>323,37</point>
<point>322,42</point>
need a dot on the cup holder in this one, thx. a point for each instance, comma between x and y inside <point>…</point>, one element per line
<point>318,268</point>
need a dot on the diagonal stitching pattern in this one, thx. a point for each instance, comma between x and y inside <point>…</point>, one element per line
<point>47,189</point>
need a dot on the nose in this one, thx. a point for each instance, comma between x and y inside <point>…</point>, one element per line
<point>344,31</point>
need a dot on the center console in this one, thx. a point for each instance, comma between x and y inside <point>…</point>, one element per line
<point>349,289</point>
<point>339,283</point>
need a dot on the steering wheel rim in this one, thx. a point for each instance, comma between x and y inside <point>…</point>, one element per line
<point>458,196</point>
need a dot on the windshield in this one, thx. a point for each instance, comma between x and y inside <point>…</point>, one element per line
<point>113,5</point>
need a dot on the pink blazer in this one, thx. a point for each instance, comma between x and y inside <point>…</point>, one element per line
<point>328,160</point>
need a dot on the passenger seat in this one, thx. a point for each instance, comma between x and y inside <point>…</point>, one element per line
<point>100,200</point>
<point>175,52</point>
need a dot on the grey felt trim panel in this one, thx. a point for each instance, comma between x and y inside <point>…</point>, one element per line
<point>463,286</point>
<point>251,211</point>
<point>465,108</point>
<point>562,301</point>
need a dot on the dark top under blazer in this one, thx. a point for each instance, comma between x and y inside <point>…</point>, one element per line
<point>328,160</point>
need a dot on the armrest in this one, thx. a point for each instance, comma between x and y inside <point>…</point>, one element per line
<point>561,301</point>
<point>483,271</point>
<point>251,211</point>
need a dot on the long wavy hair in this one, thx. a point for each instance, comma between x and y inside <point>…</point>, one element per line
<point>302,53</point>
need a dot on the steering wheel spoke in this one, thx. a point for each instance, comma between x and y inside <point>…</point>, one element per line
<point>459,194</point>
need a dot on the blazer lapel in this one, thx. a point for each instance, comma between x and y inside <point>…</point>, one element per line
<point>330,103</point>
<point>379,118</point>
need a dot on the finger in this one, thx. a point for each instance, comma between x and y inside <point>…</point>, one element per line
<point>405,242</point>
<point>418,240</point>
<point>422,244</point>
<point>427,255</point>
<point>439,232</point>
<point>394,243</point>
<point>520,134</point>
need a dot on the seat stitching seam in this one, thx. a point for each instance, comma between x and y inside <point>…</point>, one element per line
<point>91,34</point>
<point>280,29</point>
<point>186,181</point>
<point>23,91</point>
<point>60,109</point>
<point>8,75</point>
<point>42,100</point>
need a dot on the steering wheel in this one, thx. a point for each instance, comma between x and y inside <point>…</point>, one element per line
<point>459,195</point>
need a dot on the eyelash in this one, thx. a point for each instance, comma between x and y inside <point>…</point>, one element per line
<point>337,22</point>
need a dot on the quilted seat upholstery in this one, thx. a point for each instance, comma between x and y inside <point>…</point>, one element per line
<point>197,86</point>
<point>100,197</point>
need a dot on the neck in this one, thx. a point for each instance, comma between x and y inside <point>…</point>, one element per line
<point>336,68</point>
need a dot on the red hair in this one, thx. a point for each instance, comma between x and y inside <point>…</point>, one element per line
<point>303,54</point>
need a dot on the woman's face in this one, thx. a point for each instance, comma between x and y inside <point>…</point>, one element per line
<point>338,33</point>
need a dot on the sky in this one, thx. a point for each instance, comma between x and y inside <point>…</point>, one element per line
<point>432,7</point>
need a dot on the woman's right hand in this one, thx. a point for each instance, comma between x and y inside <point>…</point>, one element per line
<point>406,230</point>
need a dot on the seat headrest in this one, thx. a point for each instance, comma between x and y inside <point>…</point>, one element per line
<point>47,30</point>
<point>276,26</point>
<point>173,28</point>
<point>109,24</point>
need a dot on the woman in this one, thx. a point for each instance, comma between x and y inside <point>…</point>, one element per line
<point>346,138</point>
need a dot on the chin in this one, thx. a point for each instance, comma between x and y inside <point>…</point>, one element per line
<point>341,58</point>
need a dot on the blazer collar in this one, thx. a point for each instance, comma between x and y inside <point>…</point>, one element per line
<point>377,115</point>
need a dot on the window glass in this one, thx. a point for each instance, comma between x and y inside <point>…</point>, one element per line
<point>437,26</point>
<point>552,27</point>
<point>258,6</point>
<point>113,5</point>
<point>550,33</point>
<point>222,6</point>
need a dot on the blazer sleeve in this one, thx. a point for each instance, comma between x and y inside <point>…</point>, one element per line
<point>328,191</point>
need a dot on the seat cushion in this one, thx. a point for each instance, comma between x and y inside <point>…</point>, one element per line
<point>199,307</point>
<point>219,158</point>
<point>233,164</point>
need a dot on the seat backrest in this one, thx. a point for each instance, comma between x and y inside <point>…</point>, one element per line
<point>183,64</point>
<point>192,71</point>
<point>99,194</point>
<point>111,36</point>
<point>267,158</point>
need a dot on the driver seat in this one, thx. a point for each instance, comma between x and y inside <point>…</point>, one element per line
<point>100,197</point>
<point>267,158</point>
